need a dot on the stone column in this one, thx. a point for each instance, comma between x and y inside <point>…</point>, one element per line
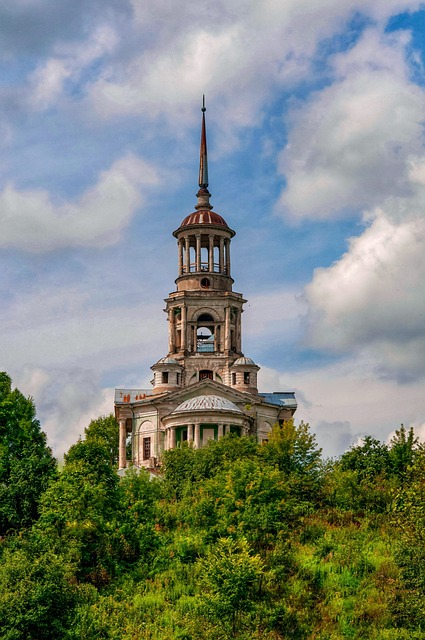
<point>221,256</point>
<point>220,431</point>
<point>183,327</point>
<point>172,438</point>
<point>216,337</point>
<point>198,252</point>
<point>227,329</point>
<point>180,259</point>
<point>187,254</point>
<point>197,436</point>
<point>171,332</point>
<point>238,336</point>
<point>211,254</point>
<point>122,456</point>
<point>227,245</point>
<point>190,432</point>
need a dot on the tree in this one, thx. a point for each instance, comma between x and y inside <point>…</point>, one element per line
<point>78,514</point>
<point>185,466</point>
<point>403,447</point>
<point>26,462</point>
<point>293,449</point>
<point>105,430</point>
<point>369,459</point>
<point>229,581</point>
<point>36,594</point>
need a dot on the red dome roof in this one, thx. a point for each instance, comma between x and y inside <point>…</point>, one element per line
<point>204,217</point>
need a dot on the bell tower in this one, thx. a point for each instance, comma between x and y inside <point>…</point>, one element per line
<point>204,388</point>
<point>204,313</point>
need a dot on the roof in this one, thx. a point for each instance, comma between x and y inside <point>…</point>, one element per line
<point>244,361</point>
<point>168,360</point>
<point>207,403</point>
<point>204,216</point>
<point>280,398</point>
<point>125,396</point>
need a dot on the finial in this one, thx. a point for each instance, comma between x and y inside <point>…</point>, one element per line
<point>203,194</point>
<point>203,160</point>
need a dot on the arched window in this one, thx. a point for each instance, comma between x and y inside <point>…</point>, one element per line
<point>205,333</point>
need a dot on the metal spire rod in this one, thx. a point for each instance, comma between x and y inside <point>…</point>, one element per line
<point>203,159</point>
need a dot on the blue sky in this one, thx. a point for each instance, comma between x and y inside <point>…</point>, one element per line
<point>315,117</point>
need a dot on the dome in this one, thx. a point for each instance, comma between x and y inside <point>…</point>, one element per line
<point>207,403</point>
<point>168,360</point>
<point>204,217</point>
<point>244,362</point>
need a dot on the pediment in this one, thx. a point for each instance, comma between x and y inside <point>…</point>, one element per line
<point>212,387</point>
<point>202,387</point>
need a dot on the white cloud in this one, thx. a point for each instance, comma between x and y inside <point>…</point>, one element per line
<point>350,144</point>
<point>31,221</point>
<point>345,401</point>
<point>52,326</point>
<point>359,144</point>
<point>66,399</point>
<point>373,297</point>
<point>266,314</point>
<point>47,81</point>
<point>236,52</point>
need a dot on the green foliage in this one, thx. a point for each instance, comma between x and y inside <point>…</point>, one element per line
<point>36,595</point>
<point>237,540</point>
<point>78,512</point>
<point>186,466</point>
<point>293,449</point>
<point>403,449</point>
<point>369,459</point>
<point>229,581</point>
<point>105,431</point>
<point>26,462</point>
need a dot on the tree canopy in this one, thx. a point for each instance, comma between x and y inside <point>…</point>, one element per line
<point>236,540</point>
<point>26,462</point>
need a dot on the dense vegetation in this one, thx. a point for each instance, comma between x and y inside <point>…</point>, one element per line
<point>237,540</point>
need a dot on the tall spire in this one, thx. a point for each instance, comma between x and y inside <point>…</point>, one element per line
<point>203,194</point>
<point>203,158</point>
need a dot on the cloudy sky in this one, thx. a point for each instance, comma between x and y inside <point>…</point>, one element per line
<point>315,115</point>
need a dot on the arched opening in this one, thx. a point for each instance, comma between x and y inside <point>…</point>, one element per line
<point>204,340</point>
<point>205,334</point>
<point>204,258</point>
<point>216,257</point>
<point>192,258</point>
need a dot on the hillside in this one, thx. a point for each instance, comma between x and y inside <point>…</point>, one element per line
<point>237,540</point>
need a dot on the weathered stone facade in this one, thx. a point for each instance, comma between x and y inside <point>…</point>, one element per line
<point>205,387</point>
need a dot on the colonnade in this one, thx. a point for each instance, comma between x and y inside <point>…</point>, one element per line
<point>194,434</point>
<point>223,331</point>
<point>197,242</point>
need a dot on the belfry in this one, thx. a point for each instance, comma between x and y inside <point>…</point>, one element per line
<point>205,387</point>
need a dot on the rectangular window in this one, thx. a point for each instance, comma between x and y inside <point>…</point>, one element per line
<point>233,378</point>
<point>165,377</point>
<point>246,377</point>
<point>146,448</point>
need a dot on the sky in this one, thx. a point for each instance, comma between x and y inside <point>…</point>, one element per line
<point>315,125</point>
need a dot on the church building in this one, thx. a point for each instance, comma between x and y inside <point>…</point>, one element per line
<point>205,387</point>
